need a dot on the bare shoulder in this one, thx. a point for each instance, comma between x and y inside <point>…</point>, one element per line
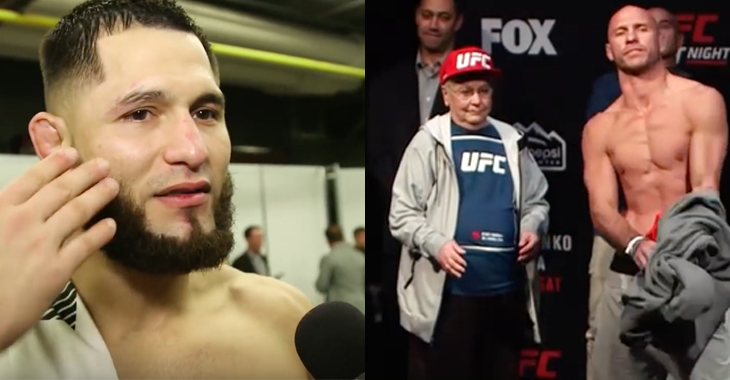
<point>596,128</point>
<point>684,84</point>
<point>252,320</point>
<point>699,102</point>
<point>694,92</point>
<point>705,99</point>
<point>279,301</point>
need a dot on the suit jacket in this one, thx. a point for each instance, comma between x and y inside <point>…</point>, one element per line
<point>342,276</point>
<point>244,264</point>
<point>394,117</point>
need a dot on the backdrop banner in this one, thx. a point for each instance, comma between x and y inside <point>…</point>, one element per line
<point>550,55</point>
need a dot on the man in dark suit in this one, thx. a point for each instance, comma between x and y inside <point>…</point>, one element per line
<point>342,271</point>
<point>407,94</point>
<point>359,235</point>
<point>252,261</point>
<point>400,99</point>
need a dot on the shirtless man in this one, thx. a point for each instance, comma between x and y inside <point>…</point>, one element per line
<point>664,136</point>
<point>128,216</point>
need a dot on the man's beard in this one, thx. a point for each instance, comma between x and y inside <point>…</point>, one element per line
<point>637,70</point>
<point>136,247</point>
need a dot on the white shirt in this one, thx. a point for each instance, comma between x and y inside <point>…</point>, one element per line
<point>65,344</point>
<point>259,265</point>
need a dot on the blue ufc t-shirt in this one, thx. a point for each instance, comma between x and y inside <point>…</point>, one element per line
<point>487,219</point>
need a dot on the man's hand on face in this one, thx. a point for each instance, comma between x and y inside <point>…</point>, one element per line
<point>42,242</point>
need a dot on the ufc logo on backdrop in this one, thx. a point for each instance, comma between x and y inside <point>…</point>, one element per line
<point>695,26</point>
<point>519,36</point>
<point>539,362</point>
<point>700,46</point>
<point>472,59</point>
<point>480,161</point>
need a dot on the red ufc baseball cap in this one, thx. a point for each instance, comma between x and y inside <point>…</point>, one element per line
<point>467,60</point>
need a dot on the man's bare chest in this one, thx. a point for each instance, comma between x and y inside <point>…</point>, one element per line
<point>234,355</point>
<point>658,139</point>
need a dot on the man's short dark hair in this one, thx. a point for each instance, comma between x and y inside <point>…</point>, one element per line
<point>249,230</point>
<point>334,234</point>
<point>68,53</point>
<point>457,6</point>
<point>358,231</point>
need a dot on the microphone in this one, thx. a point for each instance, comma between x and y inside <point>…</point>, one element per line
<point>330,341</point>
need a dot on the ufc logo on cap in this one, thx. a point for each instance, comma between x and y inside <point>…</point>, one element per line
<point>480,161</point>
<point>519,37</point>
<point>472,59</point>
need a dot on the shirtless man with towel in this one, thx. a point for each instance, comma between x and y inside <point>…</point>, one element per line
<point>664,136</point>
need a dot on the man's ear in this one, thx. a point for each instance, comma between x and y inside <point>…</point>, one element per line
<point>609,52</point>
<point>48,133</point>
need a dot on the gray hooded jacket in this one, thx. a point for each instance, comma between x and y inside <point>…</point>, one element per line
<point>424,212</point>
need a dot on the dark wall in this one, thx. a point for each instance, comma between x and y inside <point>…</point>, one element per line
<point>546,93</point>
<point>253,118</point>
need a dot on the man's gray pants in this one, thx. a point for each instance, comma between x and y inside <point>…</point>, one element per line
<point>612,360</point>
<point>598,269</point>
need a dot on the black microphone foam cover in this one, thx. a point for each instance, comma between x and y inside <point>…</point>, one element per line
<point>330,341</point>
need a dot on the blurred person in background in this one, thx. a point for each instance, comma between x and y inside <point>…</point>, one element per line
<point>359,235</point>
<point>112,246</point>
<point>342,271</point>
<point>605,91</point>
<point>469,208</point>
<point>253,260</point>
<point>400,99</point>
